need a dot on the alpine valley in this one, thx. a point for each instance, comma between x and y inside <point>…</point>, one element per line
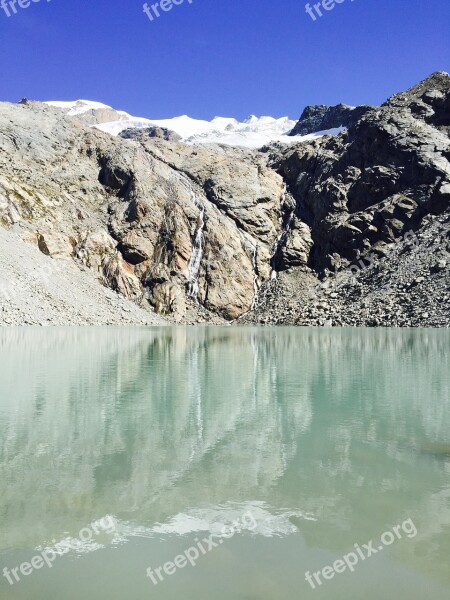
<point>341,218</point>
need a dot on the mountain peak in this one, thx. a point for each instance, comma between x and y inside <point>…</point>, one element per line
<point>253,132</point>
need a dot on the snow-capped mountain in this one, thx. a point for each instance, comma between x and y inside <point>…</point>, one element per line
<point>254,132</point>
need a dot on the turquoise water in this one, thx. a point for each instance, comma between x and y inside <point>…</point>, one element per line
<point>123,448</point>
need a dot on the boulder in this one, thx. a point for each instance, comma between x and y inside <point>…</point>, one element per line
<point>54,244</point>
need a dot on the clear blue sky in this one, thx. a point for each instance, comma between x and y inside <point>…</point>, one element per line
<point>221,57</point>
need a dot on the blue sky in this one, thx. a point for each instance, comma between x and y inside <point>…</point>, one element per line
<point>221,57</point>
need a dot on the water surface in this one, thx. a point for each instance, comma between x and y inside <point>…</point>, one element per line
<point>303,441</point>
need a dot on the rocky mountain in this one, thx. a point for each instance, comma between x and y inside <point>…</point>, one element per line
<point>341,229</point>
<point>322,118</point>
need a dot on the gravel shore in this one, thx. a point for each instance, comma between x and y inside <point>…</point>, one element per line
<point>38,290</point>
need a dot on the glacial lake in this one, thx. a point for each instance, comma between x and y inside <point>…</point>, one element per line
<point>266,452</point>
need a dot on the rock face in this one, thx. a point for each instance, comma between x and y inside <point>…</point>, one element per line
<point>363,189</point>
<point>213,233</point>
<point>88,113</point>
<point>321,118</point>
<point>186,229</point>
<point>143,133</point>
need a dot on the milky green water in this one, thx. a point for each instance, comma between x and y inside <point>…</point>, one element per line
<point>303,442</point>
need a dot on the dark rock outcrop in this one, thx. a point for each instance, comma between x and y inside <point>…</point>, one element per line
<point>376,199</point>
<point>369,185</point>
<point>321,118</point>
<point>429,101</point>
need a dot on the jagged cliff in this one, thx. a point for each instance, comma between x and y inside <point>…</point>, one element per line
<point>321,118</point>
<point>213,233</point>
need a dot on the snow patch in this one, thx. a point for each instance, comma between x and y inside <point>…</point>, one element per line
<point>253,132</point>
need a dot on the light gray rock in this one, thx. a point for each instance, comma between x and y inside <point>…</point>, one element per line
<point>141,134</point>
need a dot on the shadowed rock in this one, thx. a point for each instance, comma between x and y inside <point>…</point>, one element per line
<point>321,118</point>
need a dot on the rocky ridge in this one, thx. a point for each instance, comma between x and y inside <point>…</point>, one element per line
<point>322,118</point>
